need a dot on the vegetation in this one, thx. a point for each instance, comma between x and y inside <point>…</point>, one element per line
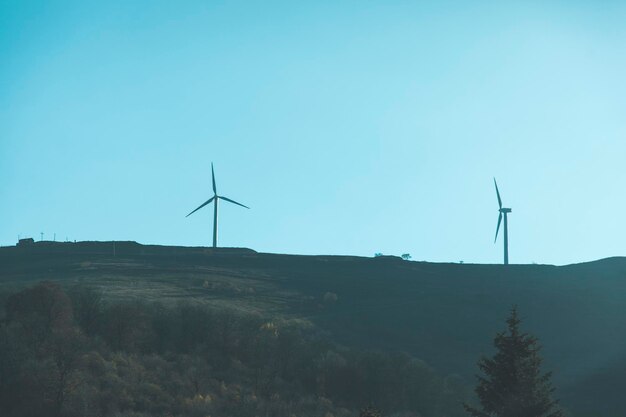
<point>73,354</point>
<point>370,411</point>
<point>513,385</point>
<point>441,313</point>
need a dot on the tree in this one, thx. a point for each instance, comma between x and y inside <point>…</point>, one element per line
<point>40,349</point>
<point>40,310</point>
<point>513,384</point>
<point>406,256</point>
<point>370,411</point>
<point>87,305</point>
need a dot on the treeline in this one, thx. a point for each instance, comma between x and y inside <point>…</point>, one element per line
<point>70,353</point>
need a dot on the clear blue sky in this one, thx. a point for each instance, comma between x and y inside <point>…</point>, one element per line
<point>349,127</point>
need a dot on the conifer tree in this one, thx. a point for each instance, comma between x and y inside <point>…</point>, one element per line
<point>513,384</point>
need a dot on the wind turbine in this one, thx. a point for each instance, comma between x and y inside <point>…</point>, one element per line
<point>503,213</point>
<point>215,199</point>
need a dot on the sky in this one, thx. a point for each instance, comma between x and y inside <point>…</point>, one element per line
<point>349,128</point>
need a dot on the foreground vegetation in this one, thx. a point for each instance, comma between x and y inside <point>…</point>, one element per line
<point>444,314</point>
<point>68,353</point>
<point>513,384</point>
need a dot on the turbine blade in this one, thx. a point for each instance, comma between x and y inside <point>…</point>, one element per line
<point>233,201</point>
<point>204,204</point>
<point>213,177</point>
<point>498,193</point>
<point>498,228</point>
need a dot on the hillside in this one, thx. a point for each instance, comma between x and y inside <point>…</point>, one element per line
<point>445,314</point>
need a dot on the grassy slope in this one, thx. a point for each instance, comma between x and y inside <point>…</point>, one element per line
<point>446,314</point>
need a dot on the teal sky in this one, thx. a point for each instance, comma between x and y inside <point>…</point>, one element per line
<point>349,127</point>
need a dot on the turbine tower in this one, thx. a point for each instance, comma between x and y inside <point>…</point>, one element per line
<point>503,213</point>
<point>215,199</point>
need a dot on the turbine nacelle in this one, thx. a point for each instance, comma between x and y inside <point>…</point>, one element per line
<point>505,210</point>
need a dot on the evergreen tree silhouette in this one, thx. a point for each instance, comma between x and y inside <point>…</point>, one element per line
<point>513,384</point>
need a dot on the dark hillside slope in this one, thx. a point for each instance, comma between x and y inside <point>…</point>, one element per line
<point>446,314</point>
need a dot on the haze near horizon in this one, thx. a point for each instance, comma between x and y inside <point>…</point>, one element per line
<point>348,129</point>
